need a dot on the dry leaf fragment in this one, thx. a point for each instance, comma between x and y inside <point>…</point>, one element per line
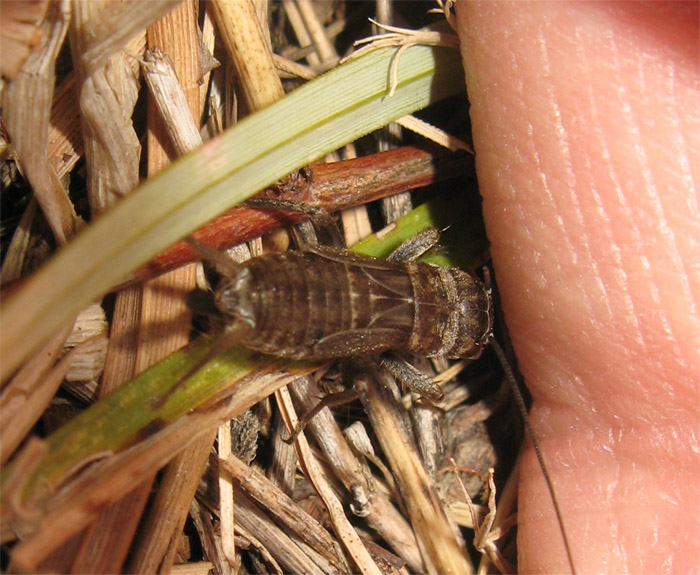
<point>19,33</point>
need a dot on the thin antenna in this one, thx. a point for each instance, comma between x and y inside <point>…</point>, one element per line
<point>221,263</point>
<point>225,341</point>
<point>510,377</point>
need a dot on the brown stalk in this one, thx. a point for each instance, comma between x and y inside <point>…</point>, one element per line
<point>18,248</point>
<point>177,107</point>
<point>28,394</point>
<point>368,501</point>
<point>332,187</point>
<point>389,137</point>
<point>161,318</point>
<point>282,468</point>
<point>280,542</point>
<point>437,538</point>
<point>113,25</point>
<point>65,142</point>
<point>246,39</point>
<point>107,96</point>
<point>64,147</point>
<point>20,32</point>
<point>28,101</point>
<point>112,151</point>
<point>356,224</point>
<point>147,325</point>
<point>246,45</point>
<point>88,343</point>
<point>286,511</point>
<point>302,35</point>
<point>202,521</point>
<point>77,504</point>
<point>311,466</point>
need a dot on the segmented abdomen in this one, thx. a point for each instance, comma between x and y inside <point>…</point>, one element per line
<point>310,306</point>
<point>330,303</point>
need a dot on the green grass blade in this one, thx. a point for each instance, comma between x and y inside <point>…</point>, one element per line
<point>462,242</point>
<point>319,117</point>
<point>133,412</point>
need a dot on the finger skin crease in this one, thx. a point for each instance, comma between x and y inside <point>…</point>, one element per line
<point>585,132</point>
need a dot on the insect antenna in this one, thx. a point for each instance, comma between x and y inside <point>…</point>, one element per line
<point>229,337</point>
<point>227,340</point>
<point>319,217</point>
<point>522,408</point>
<point>222,264</point>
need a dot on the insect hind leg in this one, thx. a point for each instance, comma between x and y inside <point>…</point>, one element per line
<point>319,218</point>
<point>411,377</point>
<point>415,246</point>
<point>331,400</point>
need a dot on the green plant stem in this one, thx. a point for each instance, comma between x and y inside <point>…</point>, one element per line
<point>148,404</point>
<point>325,114</point>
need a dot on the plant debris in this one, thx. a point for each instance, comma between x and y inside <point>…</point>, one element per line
<point>115,467</point>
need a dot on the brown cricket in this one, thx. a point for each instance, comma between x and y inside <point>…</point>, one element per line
<point>326,302</point>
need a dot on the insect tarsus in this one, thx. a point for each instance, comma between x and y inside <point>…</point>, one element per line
<point>325,303</point>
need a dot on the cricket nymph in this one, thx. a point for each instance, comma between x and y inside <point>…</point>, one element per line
<point>327,303</point>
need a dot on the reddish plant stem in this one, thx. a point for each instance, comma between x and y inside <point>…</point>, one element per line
<point>333,187</point>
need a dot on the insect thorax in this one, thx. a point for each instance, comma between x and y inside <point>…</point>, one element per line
<point>453,312</point>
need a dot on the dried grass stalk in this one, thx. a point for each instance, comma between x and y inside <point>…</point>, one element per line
<point>286,512</point>
<point>312,469</point>
<point>65,141</point>
<point>28,103</point>
<point>20,33</point>
<point>440,546</point>
<point>249,52</point>
<point>112,26</point>
<point>28,394</point>
<point>50,505</point>
<point>108,88</point>
<point>163,326</point>
<point>66,512</point>
<point>367,499</point>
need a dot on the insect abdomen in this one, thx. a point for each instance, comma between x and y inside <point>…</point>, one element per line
<point>328,303</point>
<point>305,305</point>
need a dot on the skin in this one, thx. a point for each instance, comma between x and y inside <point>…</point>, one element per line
<point>586,119</point>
